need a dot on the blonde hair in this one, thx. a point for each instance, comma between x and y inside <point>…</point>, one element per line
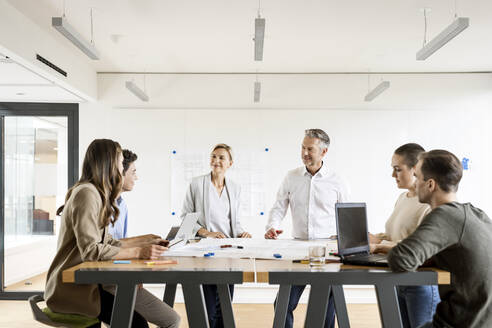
<point>225,147</point>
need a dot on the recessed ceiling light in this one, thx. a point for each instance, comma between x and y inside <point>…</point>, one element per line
<point>115,37</point>
<point>5,59</point>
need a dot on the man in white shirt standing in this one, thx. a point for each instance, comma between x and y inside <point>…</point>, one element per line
<point>312,192</point>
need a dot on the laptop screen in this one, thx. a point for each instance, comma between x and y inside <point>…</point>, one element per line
<point>351,228</point>
<point>172,233</point>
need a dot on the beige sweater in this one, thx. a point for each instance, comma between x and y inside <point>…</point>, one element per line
<point>81,239</point>
<point>406,217</point>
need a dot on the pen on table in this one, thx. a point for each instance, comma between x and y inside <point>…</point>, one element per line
<point>122,262</point>
<point>307,261</point>
<point>301,261</point>
<point>231,246</point>
<point>161,262</point>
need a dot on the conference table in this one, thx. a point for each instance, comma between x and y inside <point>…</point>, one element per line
<point>192,272</point>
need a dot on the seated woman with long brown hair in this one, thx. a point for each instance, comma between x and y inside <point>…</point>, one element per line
<point>89,208</point>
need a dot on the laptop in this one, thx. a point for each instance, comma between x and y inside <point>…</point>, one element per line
<point>183,232</point>
<point>353,240</point>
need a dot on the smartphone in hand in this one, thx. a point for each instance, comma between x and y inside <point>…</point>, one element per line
<point>163,242</point>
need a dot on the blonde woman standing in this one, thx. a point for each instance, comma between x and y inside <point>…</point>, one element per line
<point>216,199</point>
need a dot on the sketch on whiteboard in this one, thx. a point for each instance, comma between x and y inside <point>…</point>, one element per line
<point>248,171</point>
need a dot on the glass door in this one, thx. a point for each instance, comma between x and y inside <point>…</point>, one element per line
<point>35,180</point>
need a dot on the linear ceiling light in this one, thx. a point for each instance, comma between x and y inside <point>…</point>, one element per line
<point>257,91</point>
<point>444,37</point>
<point>381,87</point>
<point>61,24</point>
<point>259,38</point>
<point>136,91</point>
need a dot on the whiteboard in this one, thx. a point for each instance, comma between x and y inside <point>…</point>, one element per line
<point>247,171</point>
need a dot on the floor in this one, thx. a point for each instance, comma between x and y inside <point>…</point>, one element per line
<point>17,314</point>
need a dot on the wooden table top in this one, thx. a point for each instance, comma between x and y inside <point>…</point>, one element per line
<point>248,266</point>
<point>264,266</point>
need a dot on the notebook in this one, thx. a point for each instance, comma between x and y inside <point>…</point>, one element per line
<point>353,240</point>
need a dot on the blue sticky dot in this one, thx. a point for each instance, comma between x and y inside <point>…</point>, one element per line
<point>261,213</point>
<point>174,152</point>
<point>173,213</point>
<point>266,149</point>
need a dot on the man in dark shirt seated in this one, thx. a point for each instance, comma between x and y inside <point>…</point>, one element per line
<point>458,238</point>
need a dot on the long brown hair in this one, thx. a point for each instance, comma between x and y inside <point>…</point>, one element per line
<point>100,168</point>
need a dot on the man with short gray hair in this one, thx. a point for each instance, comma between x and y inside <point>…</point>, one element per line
<point>311,191</point>
<point>318,134</point>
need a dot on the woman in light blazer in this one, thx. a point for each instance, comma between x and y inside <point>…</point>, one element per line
<point>216,199</point>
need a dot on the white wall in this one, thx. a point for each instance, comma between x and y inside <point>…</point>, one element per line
<point>362,145</point>
<point>363,140</point>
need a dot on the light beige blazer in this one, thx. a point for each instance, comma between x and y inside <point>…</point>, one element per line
<point>81,239</point>
<point>197,200</point>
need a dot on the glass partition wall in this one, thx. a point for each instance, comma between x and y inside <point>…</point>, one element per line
<point>39,163</point>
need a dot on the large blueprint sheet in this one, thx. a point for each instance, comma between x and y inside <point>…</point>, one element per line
<point>252,248</point>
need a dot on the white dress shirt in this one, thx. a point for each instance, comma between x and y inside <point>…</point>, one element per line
<point>312,202</point>
<point>220,211</point>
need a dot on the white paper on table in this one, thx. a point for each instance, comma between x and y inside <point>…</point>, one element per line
<point>290,249</point>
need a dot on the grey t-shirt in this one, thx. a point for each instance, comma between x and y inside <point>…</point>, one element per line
<point>459,238</point>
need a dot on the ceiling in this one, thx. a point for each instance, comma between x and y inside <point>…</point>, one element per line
<point>301,36</point>
<point>18,84</point>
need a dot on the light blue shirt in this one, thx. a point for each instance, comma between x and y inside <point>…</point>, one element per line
<point>118,231</point>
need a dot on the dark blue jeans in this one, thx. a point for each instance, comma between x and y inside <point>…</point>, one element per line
<point>213,305</point>
<point>427,325</point>
<point>417,304</point>
<point>295,295</point>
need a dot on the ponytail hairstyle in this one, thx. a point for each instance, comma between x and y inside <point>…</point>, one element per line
<point>410,153</point>
<point>100,168</point>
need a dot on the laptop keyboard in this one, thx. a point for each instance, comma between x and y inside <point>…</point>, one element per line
<point>371,257</point>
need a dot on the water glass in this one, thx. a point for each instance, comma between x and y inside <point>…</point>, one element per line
<point>317,255</point>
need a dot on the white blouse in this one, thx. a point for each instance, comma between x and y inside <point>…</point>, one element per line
<point>220,211</point>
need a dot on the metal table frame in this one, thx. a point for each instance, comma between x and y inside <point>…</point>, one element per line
<point>324,282</point>
<point>126,282</point>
